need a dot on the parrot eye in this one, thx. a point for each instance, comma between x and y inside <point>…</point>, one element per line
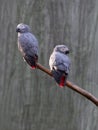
<point>63,49</point>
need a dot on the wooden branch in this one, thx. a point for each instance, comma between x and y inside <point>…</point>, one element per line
<point>76,88</point>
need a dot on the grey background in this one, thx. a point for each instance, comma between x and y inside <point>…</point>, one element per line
<point>30,99</point>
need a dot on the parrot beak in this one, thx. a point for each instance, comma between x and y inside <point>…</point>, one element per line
<point>67,51</point>
<point>17,30</point>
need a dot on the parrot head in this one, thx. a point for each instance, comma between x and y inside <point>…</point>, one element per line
<point>62,48</point>
<point>22,28</point>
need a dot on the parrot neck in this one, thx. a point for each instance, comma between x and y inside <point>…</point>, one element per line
<point>19,34</point>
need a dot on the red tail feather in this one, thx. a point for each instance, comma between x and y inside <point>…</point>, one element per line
<point>62,81</point>
<point>33,67</point>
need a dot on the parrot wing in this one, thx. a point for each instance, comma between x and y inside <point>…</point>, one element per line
<point>59,61</point>
<point>28,44</point>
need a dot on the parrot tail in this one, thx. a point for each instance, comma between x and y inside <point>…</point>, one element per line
<point>31,60</point>
<point>62,81</point>
<point>60,77</point>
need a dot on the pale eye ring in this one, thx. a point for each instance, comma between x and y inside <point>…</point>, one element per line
<point>63,49</point>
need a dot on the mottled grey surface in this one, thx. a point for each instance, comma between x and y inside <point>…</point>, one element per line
<point>27,44</point>
<point>59,60</point>
<point>30,100</point>
<point>59,63</point>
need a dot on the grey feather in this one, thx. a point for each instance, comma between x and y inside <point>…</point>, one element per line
<point>27,44</point>
<point>59,61</point>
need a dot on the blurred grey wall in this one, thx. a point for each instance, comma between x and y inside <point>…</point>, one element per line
<point>30,99</point>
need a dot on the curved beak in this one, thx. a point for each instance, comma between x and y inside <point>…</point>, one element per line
<point>67,51</point>
<point>17,30</point>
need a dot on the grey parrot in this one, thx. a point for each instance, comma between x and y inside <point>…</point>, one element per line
<point>59,63</point>
<point>27,44</point>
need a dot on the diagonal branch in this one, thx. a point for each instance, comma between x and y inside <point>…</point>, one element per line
<point>76,88</point>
